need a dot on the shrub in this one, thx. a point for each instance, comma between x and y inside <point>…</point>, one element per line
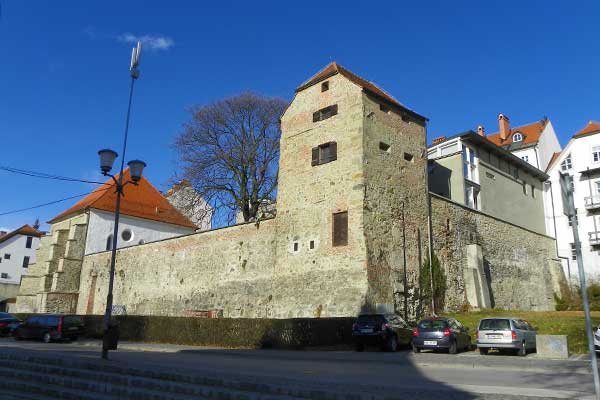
<point>439,283</point>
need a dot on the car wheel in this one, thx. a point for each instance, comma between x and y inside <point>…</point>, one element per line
<point>392,344</point>
<point>359,347</point>
<point>522,352</point>
<point>46,338</point>
<point>453,349</point>
<point>483,351</point>
<point>416,349</point>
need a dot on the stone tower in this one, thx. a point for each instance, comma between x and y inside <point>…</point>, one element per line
<point>352,196</point>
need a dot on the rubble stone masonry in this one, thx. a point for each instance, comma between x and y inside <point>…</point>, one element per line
<point>290,266</point>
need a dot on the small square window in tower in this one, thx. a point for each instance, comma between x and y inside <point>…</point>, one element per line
<point>325,86</point>
<point>325,113</point>
<point>324,153</point>
<point>384,147</point>
<point>340,229</point>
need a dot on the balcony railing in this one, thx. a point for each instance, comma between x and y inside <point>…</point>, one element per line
<point>594,238</point>
<point>592,202</point>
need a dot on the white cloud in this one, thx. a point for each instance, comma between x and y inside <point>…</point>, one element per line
<point>150,42</point>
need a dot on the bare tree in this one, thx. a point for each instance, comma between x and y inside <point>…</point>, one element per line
<point>229,151</point>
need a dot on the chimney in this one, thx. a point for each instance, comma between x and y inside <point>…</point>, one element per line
<point>481,130</point>
<point>438,139</point>
<point>503,121</point>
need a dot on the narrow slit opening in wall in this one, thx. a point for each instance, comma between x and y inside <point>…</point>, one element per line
<point>311,245</point>
<point>295,246</point>
<point>384,147</point>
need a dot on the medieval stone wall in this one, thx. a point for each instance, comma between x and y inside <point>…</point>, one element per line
<point>395,212</point>
<point>520,265</point>
<point>226,269</point>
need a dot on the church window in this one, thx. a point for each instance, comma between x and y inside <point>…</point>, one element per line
<point>340,229</point>
<point>324,153</point>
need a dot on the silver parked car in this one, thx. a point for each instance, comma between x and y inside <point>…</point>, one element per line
<point>505,333</point>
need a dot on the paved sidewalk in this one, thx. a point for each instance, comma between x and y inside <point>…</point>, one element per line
<point>463,376</point>
<point>578,364</point>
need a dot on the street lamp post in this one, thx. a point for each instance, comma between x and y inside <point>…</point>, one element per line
<point>136,167</point>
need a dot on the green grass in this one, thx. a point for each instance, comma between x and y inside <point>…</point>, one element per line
<point>570,323</point>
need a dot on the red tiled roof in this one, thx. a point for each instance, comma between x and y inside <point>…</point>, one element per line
<point>591,127</point>
<point>25,230</point>
<point>531,134</point>
<point>552,159</point>
<point>141,200</point>
<point>334,68</point>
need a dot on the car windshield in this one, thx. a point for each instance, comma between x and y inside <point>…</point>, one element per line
<point>370,319</point>
<point>433,324</point>
<point>494,325</point>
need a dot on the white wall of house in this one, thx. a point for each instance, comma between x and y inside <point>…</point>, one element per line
<point>101,225</point>
<point>529,155</point>
<point>580,151</point>
<point>547,146</point>
<point>12,253</point>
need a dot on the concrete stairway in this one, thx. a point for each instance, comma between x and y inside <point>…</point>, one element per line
<point>41,378</point>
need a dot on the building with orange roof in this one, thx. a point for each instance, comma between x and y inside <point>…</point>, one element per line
<point>17,253</point>
<point>86,228</point>
<point>535,142</point>
<point>354,226</point>
<point>580,159</point>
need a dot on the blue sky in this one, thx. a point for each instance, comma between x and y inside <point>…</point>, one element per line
<point>64,72</point>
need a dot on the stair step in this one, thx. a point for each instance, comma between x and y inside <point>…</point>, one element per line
<point>6,394</point>
<point>123,386</point>
<point>50,391</point>
<point>180,381</point>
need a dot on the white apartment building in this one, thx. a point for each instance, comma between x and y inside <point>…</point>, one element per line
<point>580,159</point>
<point>534,143</point>
<point>17,251</point>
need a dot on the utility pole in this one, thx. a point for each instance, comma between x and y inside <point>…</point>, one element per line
<point>566,182</point>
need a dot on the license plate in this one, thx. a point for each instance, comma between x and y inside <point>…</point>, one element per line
<point>369,330</point>
<point>430,343</point>
<point>494,336</point>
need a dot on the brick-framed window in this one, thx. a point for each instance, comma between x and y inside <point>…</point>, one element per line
<point>26,262</point>
<point>325,113</point>
<point>29,242</point>
<point>340,229</point>
<point>324,153</point>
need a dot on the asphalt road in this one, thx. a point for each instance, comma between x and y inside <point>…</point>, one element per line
<point>466,373</point>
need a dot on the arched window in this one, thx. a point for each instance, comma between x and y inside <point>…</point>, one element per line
<point>109,241</point>
<point>518,137</point>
